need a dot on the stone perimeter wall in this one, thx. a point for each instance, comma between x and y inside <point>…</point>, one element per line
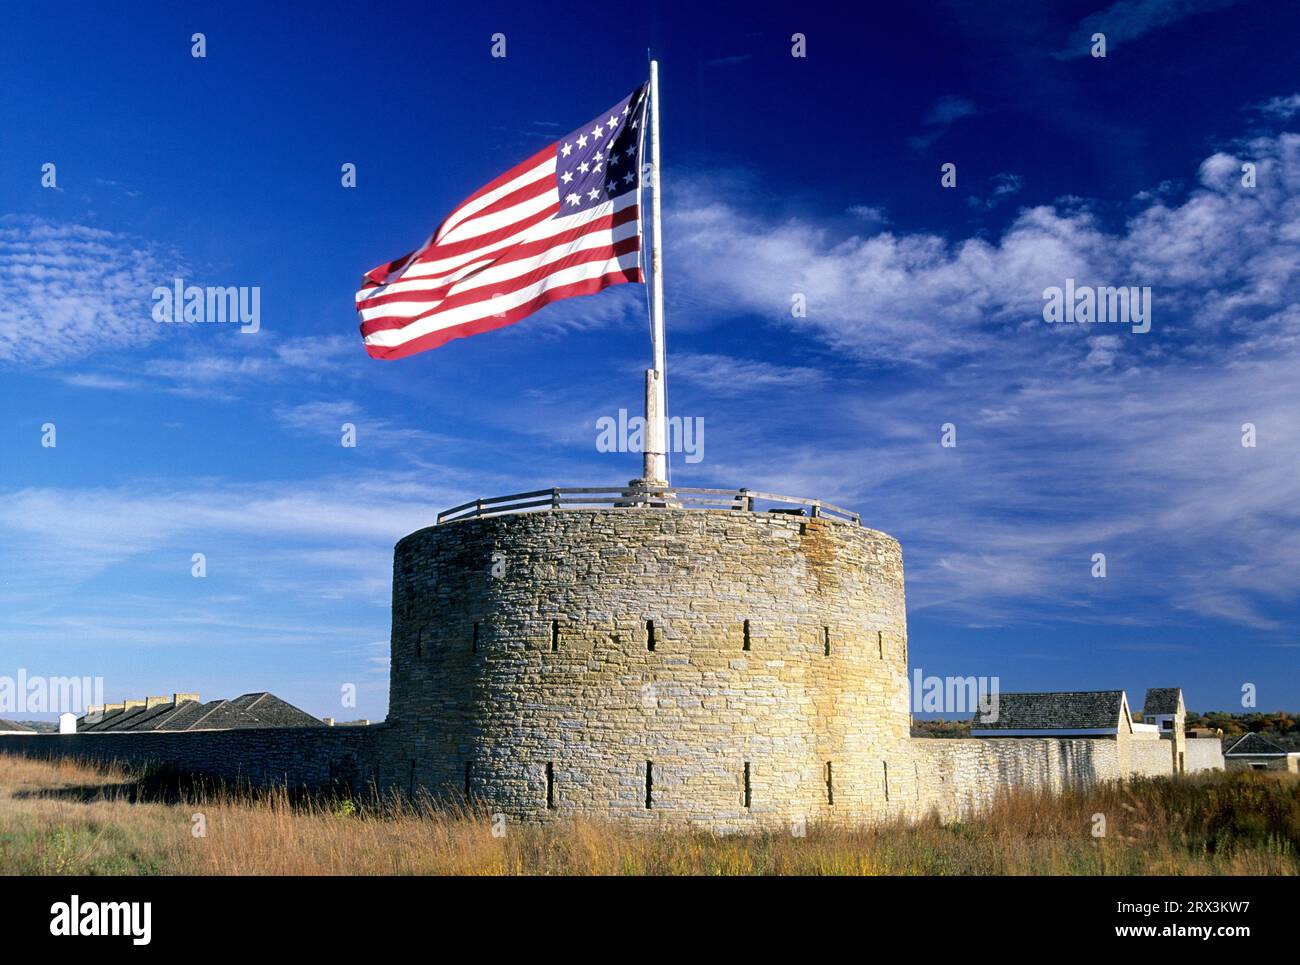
<point>316,757</point>
<point>1204,754</point>
<point>958,777</point>
<point>522,668</point>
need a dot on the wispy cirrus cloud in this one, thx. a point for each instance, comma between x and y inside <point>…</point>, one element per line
<point>67,291</point>
<point>939,118</point>
<point>61,537</point>
<point>1003,187</point>
<point>1128,20</point>
<point>1280,109</point>
<point>728,375</point>
<point>325,418</point>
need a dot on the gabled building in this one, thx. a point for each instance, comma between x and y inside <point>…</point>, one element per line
<point>1080,713</point>
<point>1163,706</point>
<point>1254,752</point>
<point>186,712</point>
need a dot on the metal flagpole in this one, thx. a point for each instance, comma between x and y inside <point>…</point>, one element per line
<point>655,467</point>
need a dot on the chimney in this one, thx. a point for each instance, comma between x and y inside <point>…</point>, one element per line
<point>328,721</point>
<point>114,708</point>
<point>182,698</point>
<point>95,710</point>
<point>151,702</point>
<point>132,704</point>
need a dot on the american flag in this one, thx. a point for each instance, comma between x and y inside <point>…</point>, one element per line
<point>565,222</point>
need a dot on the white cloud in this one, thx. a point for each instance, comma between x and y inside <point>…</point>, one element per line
<point>1129,19</point>
<point>1004,187</point>
<point>324,419</point>
<point>1281,108</point>
<point>727,375</point>
<point>939,118</point>
<point>1072,440</point>
<point>69,290</point>
<point>58,538</point>
<point>1222,261</point>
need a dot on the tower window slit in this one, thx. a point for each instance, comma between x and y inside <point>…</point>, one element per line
<point>748,789</point>
<point>886,764</point>
<point>826,641</point>
<point>474,642</point>
<point>550,786</point>
<point>830,784</point>
<point>650,640</point>
<point>469,771</point>
<point>745,645</point>
<point>419,644</point>
<point>649,784</point>
<point>880,642</point>
<point>555,636</point>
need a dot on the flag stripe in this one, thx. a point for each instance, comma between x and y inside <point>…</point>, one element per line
<point>531,232</point>
<point>442,336</point>
<point>489,221</point>
<point>487,308</point>
<point>387,318</point>
<point>501,264</point>
<point>539,165</point>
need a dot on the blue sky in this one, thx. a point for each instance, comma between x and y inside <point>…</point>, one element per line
<point>817,175</point>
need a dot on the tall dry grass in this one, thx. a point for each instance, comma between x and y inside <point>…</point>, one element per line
<point>68,818</point>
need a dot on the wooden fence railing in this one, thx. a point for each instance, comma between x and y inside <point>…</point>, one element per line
<point>623,497</point>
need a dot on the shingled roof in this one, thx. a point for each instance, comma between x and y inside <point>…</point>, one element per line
<point>1255,745</point>
<point>1161,700</point>
<point>1085,710</point>
<point>259,709</point>
<point>270,711</point>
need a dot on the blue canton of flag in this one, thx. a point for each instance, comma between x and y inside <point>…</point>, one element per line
<point>602,159</point>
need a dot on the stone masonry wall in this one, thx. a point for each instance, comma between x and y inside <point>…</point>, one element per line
<point>541,688</point>
<point>961,776</point>
<point>1151,758</point>
<point>313,757</point>
<point>1204,754</point>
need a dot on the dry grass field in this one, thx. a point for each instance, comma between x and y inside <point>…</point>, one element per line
<point>66,818</point>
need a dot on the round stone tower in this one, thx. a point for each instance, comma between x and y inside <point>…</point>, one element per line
<point>728,667</point>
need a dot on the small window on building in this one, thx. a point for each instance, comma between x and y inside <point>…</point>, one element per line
<point>1166,724</point>
<point>745,642</point>
<point>650,640</point>
<point>748,791</point>
<point>1258,767</point>
<point>826,641</point>
<point>555,636</point>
